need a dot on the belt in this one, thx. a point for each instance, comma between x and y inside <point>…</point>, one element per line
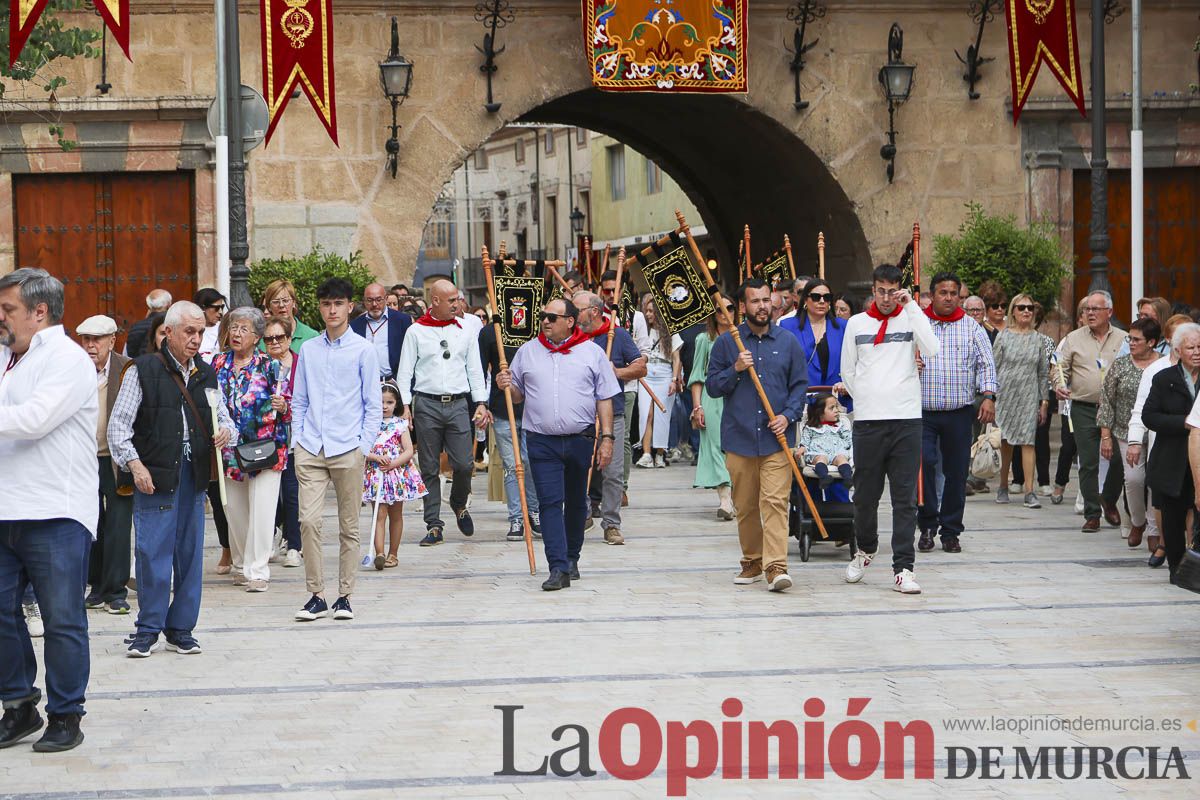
<point>588,433</point>
<point>1084,403</point>
<point>442,398</point>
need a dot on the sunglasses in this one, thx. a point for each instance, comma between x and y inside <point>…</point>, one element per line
<point>996,306</point>
<point>283,337</point>
<point>445,349</point>
<point>549,316</point>
<point>216,306</point>
<point>730,309</point>
<point>817,297</point>
<point>1023,307</point>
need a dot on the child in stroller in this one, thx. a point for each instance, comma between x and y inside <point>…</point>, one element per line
<point>827,441</point>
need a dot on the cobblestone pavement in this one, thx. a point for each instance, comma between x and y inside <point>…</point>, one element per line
<point>1033,619</point>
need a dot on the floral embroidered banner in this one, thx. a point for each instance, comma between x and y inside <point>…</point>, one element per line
<point>297,50</point>
<point>667,45</point>
<point>23,15</point>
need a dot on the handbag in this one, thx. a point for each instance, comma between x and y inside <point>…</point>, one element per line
<point>256,456</point>
<point>985,454</point>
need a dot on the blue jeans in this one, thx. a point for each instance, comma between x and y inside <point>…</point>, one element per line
<point>945,435</point>
<point>52,556</point>
<point>503,433</point>
<point>560,470</point>
<point>289,500</point>
<point>170,540</point>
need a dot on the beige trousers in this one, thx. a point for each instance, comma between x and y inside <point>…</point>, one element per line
<point>761,486</point>
<point>314,473</point>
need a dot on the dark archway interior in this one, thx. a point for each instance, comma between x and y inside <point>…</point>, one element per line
<point>739,167</point>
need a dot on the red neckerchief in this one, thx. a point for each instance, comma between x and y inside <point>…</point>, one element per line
<point>955,315</point>
<point>603,329</point>
<point>875,313</point>
<point>830,424</point>
<point>428,319</point>
<point>575,338</point>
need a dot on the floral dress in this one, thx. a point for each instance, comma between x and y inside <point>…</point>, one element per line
<point>394,485</point>
<point>247,393</point>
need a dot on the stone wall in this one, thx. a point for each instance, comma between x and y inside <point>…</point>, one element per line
<point>304,190</point>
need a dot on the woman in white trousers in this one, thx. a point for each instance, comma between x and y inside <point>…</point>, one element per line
<point>664,376</point>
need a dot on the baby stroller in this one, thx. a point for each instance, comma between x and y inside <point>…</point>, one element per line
<point>833,504</point>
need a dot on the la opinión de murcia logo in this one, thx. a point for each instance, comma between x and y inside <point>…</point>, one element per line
<point>852,749</point>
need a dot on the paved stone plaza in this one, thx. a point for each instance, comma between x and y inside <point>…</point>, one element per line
<point>1033,618</point>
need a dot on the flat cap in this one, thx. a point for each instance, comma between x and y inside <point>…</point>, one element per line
<point>98,325</point>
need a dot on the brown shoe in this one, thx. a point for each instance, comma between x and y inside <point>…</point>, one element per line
<point>950,544</point>
<point>777,579</point>
<point>1135,535</point>
<point>752,572</point>
<point>624,500</point>
<point>1111,515</point>
<point>613,536</point>
<point>1091,525</point>
<point>926,545</point>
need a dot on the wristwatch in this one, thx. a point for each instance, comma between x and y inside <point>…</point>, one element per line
<point>989,396</point>
<point>608,436</point>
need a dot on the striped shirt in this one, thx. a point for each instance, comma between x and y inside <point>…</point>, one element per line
<point>962,368</point>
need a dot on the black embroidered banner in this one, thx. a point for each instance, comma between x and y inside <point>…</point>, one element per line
<point>679,294</point>
<point>520,300</point>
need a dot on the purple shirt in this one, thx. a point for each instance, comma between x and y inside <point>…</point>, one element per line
<point>561,390</point>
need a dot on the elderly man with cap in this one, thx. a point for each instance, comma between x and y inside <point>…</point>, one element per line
<point>108,569</point>
<point>157,431</point>
<point>47,508</point>
<point>567,384</point>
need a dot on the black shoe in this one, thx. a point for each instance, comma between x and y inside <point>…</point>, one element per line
<point>434,536</point>
<point>950,544</point>
<point>182,642</point>
<point>466,525</point>
<point>925,545</point>
<point>61,734</point>
<point>595,509</point>
<point>20,721</point>
<point>1156,560</point>
<point>516,532</point>
<point>557,580</point>
<point>93,601</point>
<point>574,572</point>
<point>535,520</point>
<point>341,608</point>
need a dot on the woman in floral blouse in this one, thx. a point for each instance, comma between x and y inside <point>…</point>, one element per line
<point>1117,396</point>
<point>251,385</point>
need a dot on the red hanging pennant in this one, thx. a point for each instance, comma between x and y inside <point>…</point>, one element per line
<point>297,49</point>
<point>1043,31</point>
<point>23,15</point>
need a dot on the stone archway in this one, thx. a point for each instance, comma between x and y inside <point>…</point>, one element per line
<point>701,141</point>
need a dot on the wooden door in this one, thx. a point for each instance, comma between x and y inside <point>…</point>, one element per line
<point>110,238</point>
<point>1172,236</point>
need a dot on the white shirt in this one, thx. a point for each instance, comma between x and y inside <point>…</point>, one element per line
<point>471,323</point>
<point>376,333</point>
<point>423,368</point>
<point>48,418</point>
<point>788,315</point>
<point>1137,429</point>
<point>1193,418</point>
<point>208,343</point>
<point>883,378</point>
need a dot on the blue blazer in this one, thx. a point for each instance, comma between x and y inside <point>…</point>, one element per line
<point>835,329</point>
<point>398,323</point>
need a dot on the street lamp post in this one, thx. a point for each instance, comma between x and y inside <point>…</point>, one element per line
<point>1098,240</point>
<point>395,76</point>
<point>896,77</point>
<point>239,246</point>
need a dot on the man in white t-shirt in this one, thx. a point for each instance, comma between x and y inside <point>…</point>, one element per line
<point>879,350</point>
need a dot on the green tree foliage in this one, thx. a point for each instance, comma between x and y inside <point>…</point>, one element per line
<point>50,41</point>
<point>1026,260</point>
<point>307,273</point>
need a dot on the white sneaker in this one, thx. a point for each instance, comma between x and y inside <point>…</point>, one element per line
<point>278,547</point>
<point>645,462</point>
<point>906,583</point>
<point>1079,504</point>
<point>659,461</point>
<point>1015,488</point>
<point>856,568</point>
<point>1045,491</point>
<point>33,620</point>
<point>292,559</point>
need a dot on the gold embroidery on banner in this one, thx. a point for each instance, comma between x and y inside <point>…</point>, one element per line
<point>24,9</point>
<point>1040,9</point>
<point>296,22</point>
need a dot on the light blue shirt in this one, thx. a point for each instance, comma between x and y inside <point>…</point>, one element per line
<point>561,389</point>
<point>336,403</point>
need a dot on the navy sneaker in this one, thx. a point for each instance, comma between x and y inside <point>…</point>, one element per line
<point>183,643</point>
<point>341,608</point>
<point>93,601</point>
<point>434,536</point>
<point>117,607</point>
<point>142,645</point>
<point>315,608</point>
<point>466,525</point>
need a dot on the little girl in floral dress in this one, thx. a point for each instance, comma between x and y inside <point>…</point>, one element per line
<point>391,477</point>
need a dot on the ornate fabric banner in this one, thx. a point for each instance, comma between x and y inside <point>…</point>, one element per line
<point>681,45</point>
<point>1042,31</point>
<point>679,294</point>
<point>297,48</point>
<point>775,270</point>
<point>520,300</point>
<point>23,15</point>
